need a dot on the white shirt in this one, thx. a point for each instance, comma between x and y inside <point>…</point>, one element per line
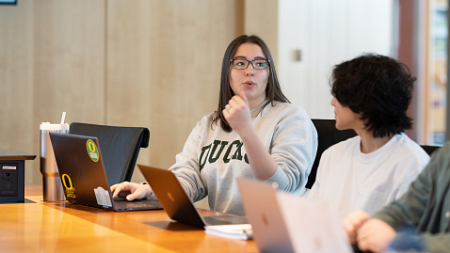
<point>351,180</point>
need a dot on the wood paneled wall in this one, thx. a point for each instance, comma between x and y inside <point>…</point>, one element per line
<point>16,80</point>
<point>154,64</point>
<point>164,61</point>
<point>68,64</point>
<point>261,18</point>
<point>15,76</point>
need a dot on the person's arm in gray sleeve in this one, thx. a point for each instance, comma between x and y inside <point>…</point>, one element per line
<point>187,168</point>
<point>294,149</point>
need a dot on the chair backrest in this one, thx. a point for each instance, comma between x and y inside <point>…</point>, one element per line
<point>328,135</point>
<point>429,149</point>
<point>119,146</point>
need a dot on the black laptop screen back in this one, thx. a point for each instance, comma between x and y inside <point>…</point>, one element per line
<point>172,196</point>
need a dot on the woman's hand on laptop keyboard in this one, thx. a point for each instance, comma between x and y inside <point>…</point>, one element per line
<point>131,191</point>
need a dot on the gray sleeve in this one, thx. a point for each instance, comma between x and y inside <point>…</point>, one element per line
<point>293,148</point>
<point>186,168</point>
<point>436,243</point>
<point>433,243</point>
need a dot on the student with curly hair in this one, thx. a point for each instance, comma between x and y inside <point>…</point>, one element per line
<point>371,96</point>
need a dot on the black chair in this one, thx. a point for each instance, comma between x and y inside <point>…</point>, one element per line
<point>119,147</point>
<point>429,149</point>
<point>328,135</point>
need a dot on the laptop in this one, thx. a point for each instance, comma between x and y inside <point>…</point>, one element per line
<point>176,202</point>
<point>83,175</point>
<point>284,222</point>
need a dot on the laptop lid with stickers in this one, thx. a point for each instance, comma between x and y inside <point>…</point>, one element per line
<point>83,176</point>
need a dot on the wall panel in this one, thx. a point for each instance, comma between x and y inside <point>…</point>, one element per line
<point>164,61</point>
<point>327,32</point>
<point>68,62</point>
<point>261,18</point>
<point>16,94</point>
<point>128,67</point>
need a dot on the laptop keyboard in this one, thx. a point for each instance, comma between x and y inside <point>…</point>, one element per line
<point>224,220</point>
<point>213,221</point>
<point>123,204</point>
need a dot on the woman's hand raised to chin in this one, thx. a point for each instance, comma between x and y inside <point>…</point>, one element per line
<point>237,114</point>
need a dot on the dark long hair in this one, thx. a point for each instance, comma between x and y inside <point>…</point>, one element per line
<point>273,89</point>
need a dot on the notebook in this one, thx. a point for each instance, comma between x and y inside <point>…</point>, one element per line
<point>283,222</point>
<point>83,174</point>
<point>176,202</point>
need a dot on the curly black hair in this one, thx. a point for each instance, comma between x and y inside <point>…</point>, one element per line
<point>378,87</point>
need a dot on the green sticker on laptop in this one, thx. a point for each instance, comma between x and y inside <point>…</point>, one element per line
<point>92,150</point>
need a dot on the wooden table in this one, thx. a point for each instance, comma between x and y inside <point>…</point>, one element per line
<point>39,226</point>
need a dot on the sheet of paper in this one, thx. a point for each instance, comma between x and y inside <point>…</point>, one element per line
<point>240,231</point>
<point>313,226</point>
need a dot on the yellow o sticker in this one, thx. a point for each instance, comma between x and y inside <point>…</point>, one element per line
<point>68,179</point>
<point>92,150</point>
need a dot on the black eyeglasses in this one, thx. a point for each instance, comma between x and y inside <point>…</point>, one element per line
<point>258,64</point>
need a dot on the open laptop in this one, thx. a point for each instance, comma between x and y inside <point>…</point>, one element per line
<point>283,222</point>
<point>83,174</point>
<point>176,202</point>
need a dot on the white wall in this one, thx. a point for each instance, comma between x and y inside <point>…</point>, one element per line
<point>327,32</point>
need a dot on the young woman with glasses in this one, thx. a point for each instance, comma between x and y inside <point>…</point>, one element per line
<point>255,133</point>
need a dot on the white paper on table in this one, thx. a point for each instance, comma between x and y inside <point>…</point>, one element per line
<point>312,225</point>
<point>239,231</point>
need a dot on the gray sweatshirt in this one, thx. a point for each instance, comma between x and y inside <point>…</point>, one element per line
<point>212,158</point>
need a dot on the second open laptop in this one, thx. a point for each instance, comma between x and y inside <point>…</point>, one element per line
<point>83,174</point>
<point>283,222</point>
<point>176,202</point>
